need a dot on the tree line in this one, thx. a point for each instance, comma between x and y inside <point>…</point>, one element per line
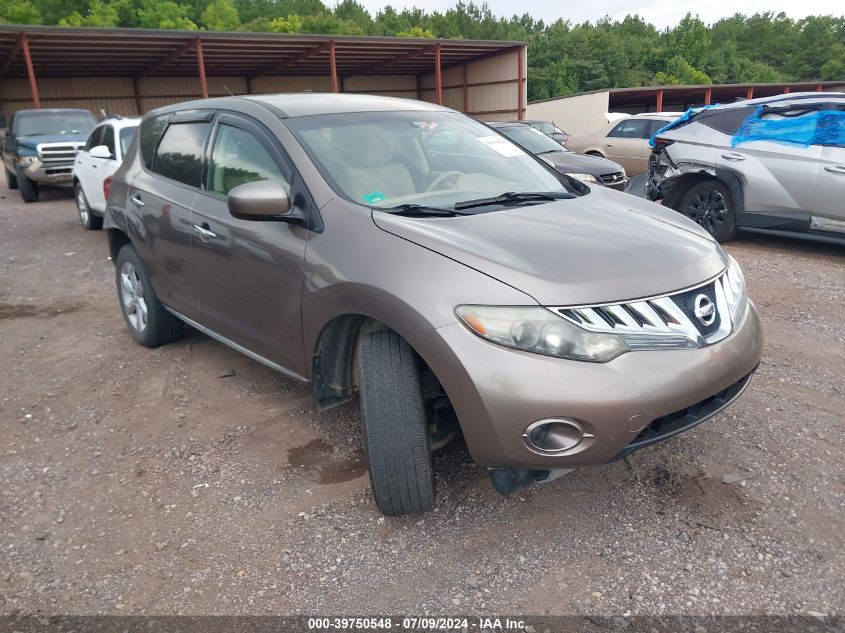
<point>563,58</point>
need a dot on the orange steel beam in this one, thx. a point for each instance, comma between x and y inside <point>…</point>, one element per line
<point>520,88</point>
<point>708,94</point>
<point>466,90</point>
<point>438,79</point>
<point>333,65</point>
<point>30,71</point>
<point>201,68</point>
<point>749,92</point>
<point>170,58</point>
<point>660,101</point>
<point>13,55</point>
<point>293,61</point>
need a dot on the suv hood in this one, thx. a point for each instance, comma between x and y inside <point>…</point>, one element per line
<point>570,162</point>
<point>600,248</point>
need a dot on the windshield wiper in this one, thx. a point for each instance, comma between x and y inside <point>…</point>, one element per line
<point>419,209</point>
<point>513,197</point>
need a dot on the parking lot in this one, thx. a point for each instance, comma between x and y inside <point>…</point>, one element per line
<point>190,479</point>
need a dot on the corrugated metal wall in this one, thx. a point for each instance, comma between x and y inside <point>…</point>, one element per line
<point>579,114</point>
<point>491,89</point>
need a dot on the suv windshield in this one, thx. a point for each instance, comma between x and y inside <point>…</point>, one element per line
<point>54,123</point>
<point>531,139</point>
<point>435,159</point>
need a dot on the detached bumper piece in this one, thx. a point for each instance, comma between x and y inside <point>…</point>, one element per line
<point>675,423</point>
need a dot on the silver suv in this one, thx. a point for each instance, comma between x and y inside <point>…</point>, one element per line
<point>772,165</point>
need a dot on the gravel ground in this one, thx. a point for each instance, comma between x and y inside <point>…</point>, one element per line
<point>191,480</point>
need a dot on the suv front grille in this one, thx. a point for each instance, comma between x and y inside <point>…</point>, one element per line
<point>674,423</point>
<point>665,322</point>
<point>57,158</point>
<point>612,179</point>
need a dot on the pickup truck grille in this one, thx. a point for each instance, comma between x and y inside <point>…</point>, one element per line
<point>57,158</point>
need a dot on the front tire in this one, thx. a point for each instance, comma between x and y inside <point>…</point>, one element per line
<point>395,425</point>
<point>11,180</point>
<point>150,323</point>
<point>30,190</point>
<point>87,219</point>
<point>709,203</point>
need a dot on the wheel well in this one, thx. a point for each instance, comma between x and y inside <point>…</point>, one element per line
<point>117,240</point>
<point>334,377</point>
<point>593,152</point>
<point>681,185</point>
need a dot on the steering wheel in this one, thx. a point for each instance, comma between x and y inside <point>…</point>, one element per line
<point>441,178</point>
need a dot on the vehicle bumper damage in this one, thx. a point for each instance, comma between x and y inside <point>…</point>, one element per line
<point>664,174</point>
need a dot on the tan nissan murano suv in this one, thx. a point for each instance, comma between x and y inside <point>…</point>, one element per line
<point>407,254</point>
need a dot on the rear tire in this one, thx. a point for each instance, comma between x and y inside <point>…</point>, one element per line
<point>11,180</point>
<point>30,190</point>
<point>148,320</point>
<point>709,203</point>
<point>395,425</point>
<point>87,218</point>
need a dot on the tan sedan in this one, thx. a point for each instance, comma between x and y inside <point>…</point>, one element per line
<point>624,141</point>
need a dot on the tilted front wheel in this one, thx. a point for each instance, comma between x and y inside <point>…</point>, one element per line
<point>11,180</point>
<point>395,425</point>
<point>150,323</point>
<point>709,203</point>
<point>30,190</point>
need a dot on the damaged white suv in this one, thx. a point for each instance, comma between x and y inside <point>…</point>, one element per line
<point>772,165</point>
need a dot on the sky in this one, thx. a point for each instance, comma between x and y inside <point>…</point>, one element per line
<point>661,13</point>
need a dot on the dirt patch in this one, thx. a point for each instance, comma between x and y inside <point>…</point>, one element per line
<point>321,461</point>
<point>10,311</point>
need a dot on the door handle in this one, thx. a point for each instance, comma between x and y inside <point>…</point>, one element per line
<point>608,144</point>
<point>204,233</point>
<point>835,169</point>
<point>732,156</point>
<point>136,200</point>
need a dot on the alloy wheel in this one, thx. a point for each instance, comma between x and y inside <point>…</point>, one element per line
<point>82,206</point>
<point>132,296</point>
<point>709,209</point>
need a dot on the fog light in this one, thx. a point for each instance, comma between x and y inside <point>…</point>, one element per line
<point>551,436</point>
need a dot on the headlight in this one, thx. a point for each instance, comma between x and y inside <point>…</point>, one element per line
<point>540,331</point>
<point>734,285</point>
<point>24,161</point>
<point>583,177</point>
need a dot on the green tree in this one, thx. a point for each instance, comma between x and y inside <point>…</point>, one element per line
<point>289,24</point>
<point>98,14</point>
<point>680,72</point>
<point>417,31</point>
<point>220,15</point>
<point>164,14</point>
<point>20,12</point>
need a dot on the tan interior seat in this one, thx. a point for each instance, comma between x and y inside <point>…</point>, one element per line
<point>374,171</point>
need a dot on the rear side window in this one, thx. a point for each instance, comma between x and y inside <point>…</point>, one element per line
<point>726,121</point>
<point>632,128</point>
<point>179,153</point>
<point>151,131</point>
<point>126,136</point>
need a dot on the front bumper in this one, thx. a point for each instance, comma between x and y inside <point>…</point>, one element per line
<point>497,392</point>
<point>50,174</point>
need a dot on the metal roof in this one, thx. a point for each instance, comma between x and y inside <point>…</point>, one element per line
<point>78,52</point>
<point>634,95</point>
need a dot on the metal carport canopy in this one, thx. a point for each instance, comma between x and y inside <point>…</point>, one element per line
<point>76,52</point>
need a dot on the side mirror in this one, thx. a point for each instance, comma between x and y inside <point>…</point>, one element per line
<point>100,151</point>
<point>263,200</point>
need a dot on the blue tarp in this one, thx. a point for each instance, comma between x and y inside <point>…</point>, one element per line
<point>686,116</point>
<point>819,127</point>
